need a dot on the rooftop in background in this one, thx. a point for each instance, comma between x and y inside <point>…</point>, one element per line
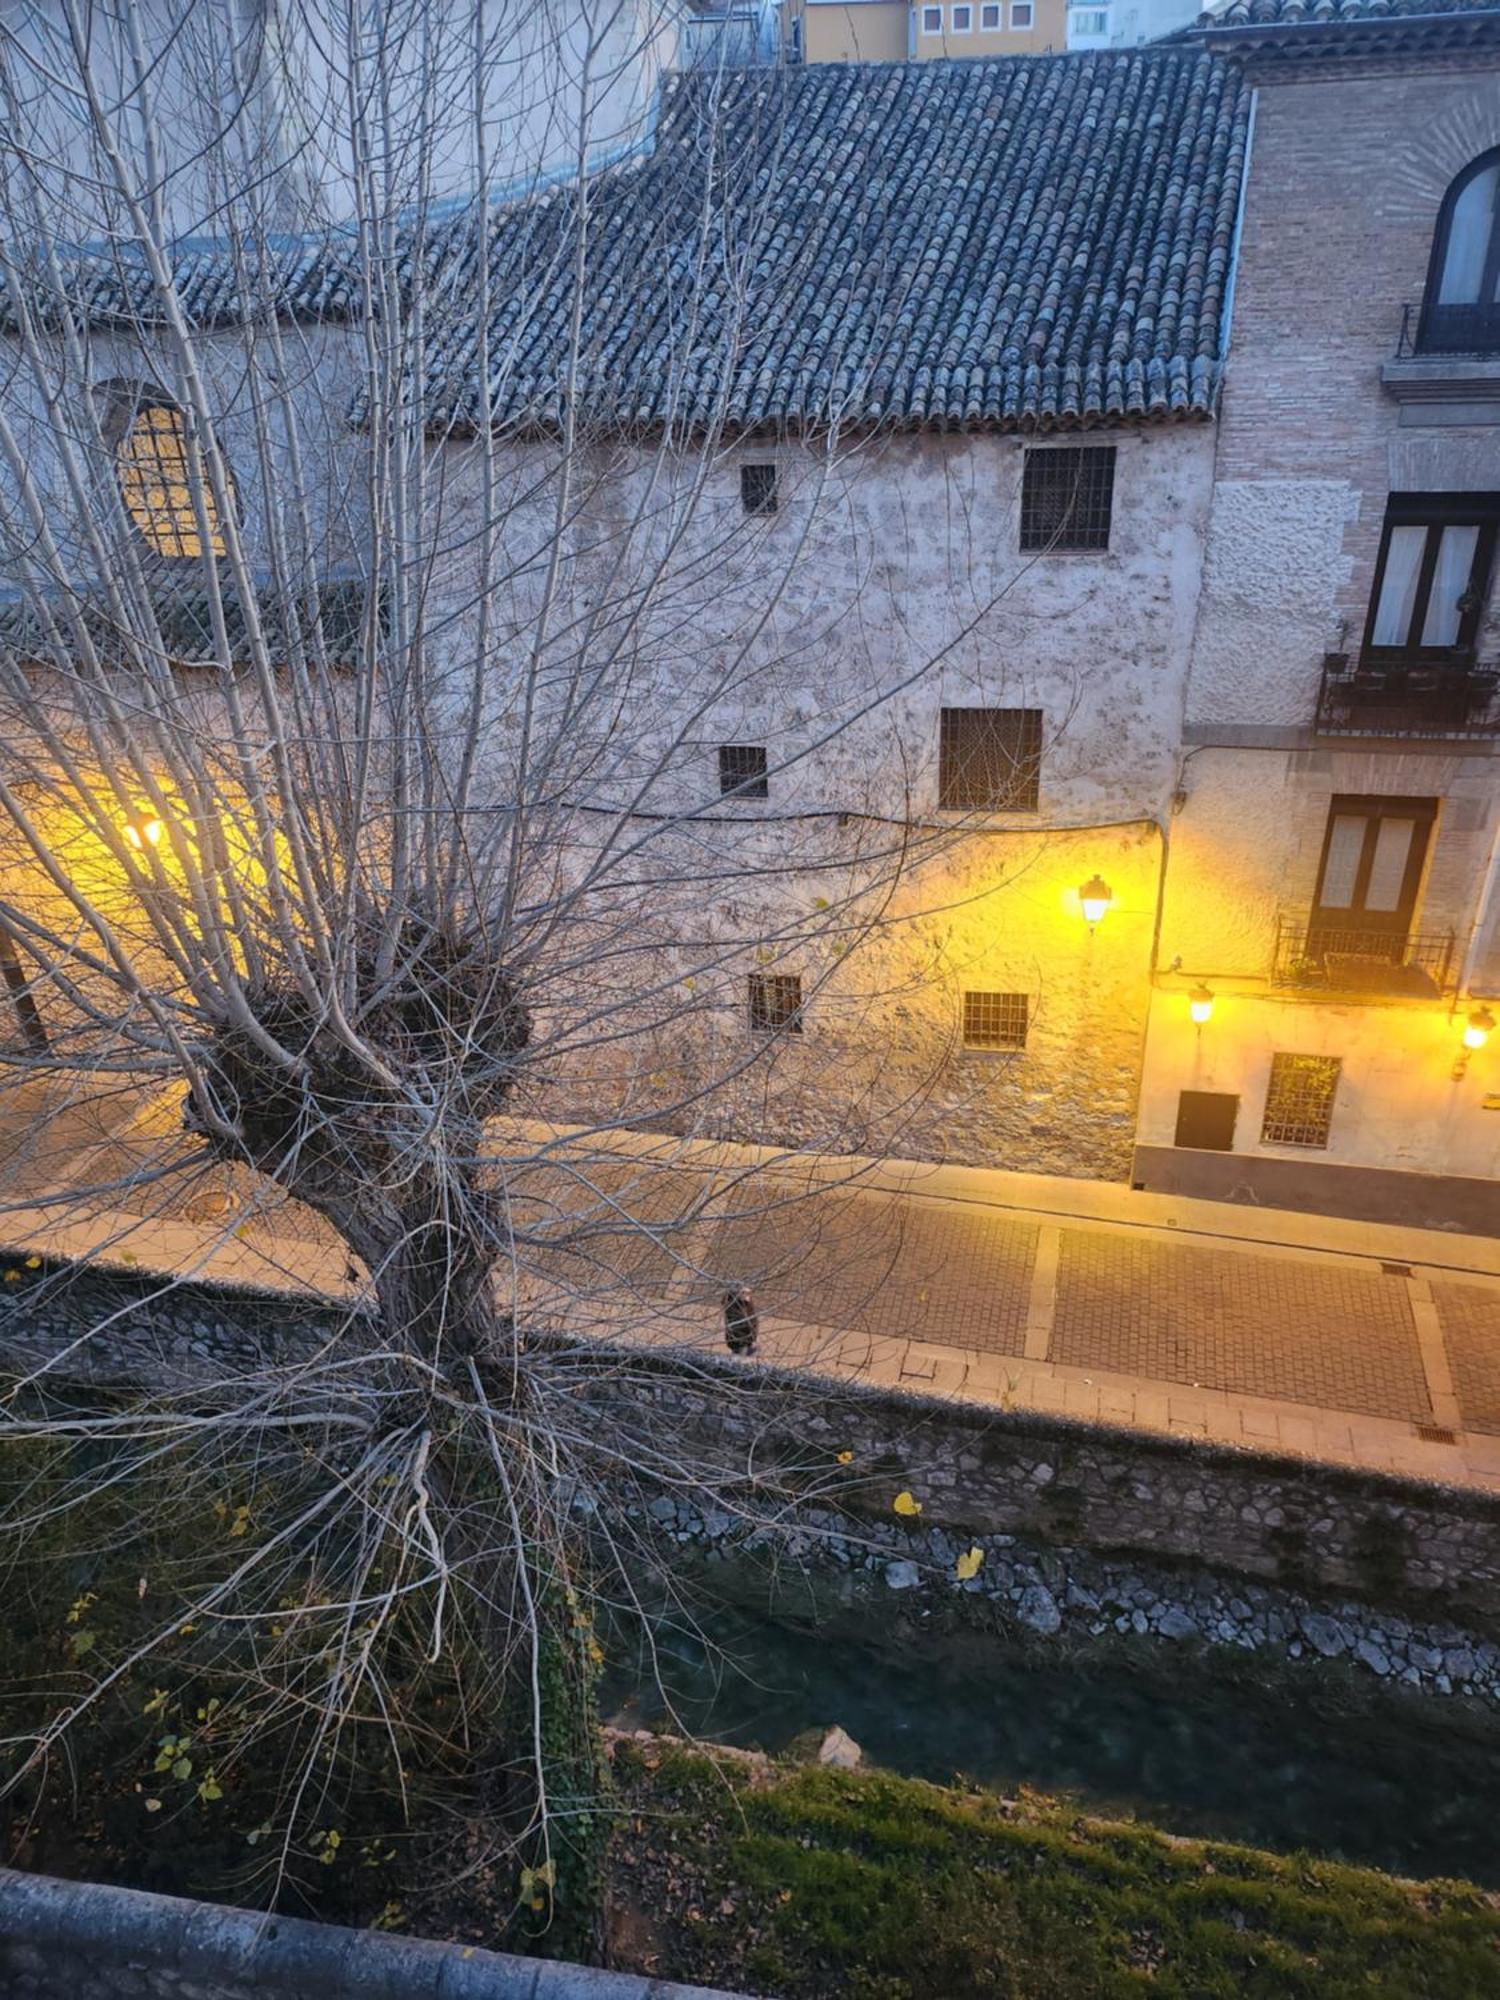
<point>1021,243</point>
<point>1008,244</point>
<point>1318,28</point>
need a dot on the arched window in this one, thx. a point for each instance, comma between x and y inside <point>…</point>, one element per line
<point>1462,310</point>
<point>155,482</point>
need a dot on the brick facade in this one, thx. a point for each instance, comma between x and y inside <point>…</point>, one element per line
<point>1349,164</point>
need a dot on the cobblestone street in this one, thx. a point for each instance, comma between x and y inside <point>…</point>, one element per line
<point>1371,1344</point>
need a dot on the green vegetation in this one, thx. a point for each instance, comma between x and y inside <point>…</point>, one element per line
<point>244,1759</point>
<point>287,1737</point>
<point>809,1881</point>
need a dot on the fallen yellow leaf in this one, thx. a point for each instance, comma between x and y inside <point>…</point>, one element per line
<point>845,1457</point>
<point>904,1504</point>
<point>968,1565</point>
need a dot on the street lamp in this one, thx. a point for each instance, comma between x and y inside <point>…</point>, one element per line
<point>1476,1033</point>
<point>143,833</point>
<point>1201,1005</point>
<point>1095,897</point>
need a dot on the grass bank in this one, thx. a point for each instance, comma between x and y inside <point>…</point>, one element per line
<point>805,1882</point>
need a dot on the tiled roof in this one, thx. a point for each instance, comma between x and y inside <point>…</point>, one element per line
<point>1017,243</point>
<point>1310,29</point>
<point>1245,13</point>
<point>303,278</point>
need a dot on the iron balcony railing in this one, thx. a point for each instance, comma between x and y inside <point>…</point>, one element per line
<point>1443,329</point>
<point>1327,958</point>
<point>1459,699</point>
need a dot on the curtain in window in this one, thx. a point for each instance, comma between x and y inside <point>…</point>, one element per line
<point>1346,839</point>
<point>1450,579</point>
<point>1398,590</point>
<point>1469,229</point>
<point>1393,841</point>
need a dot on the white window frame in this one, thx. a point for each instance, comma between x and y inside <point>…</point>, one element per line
<point>932,20</point>
<point>1018,9</point>
<point>1099,14</point>
<point>991,17</point>
<point>966,26</point>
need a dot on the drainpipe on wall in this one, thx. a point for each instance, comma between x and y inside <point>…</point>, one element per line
<point>1477,928</point>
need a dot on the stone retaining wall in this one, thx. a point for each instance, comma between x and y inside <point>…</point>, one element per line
<point>977,1471</point>
<point>928,1575</point>
<point>1426,1553</point>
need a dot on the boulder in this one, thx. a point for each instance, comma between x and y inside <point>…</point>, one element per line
<point>839,1750</point>
<point>1038,1609</point>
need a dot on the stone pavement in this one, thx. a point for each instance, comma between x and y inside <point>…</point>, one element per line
<point>1351,1341</point>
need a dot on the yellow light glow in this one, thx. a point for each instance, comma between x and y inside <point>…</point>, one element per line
<point>1201,1005</point>
<point>1095,897</point>
<point>144,833</point>
<point>1478,1028</point>
<point>156,483</point>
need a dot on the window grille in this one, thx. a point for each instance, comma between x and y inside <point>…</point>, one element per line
<point>989,759</point>
<point>758,488</point>
<point>742,770</point>
<point>1299,1100</point>
<point>155,484</point>
<point>996,1020</point>
<point>1067,498</point>
<point>776,1002</point>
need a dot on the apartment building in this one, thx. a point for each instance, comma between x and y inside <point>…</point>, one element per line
<point>845,31</point>
<point>1329,960</point>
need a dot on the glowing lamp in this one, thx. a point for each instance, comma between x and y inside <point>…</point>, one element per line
<point>1095,897</point>
<point>1201,1005</point>
<point>1478,1028</point>
<point>144,833</point>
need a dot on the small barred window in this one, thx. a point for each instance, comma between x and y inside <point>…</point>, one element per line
<point>758,488</point>
<point>989,759</point>
<point>1067,498</point>
<point>776,1002</point>
<point>742,770</point>
<point>996,1020</point>
<point>1299,1101</point>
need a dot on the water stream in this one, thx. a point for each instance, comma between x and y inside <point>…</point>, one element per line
<point>1197,1755</point>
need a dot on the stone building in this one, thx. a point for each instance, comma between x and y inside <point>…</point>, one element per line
<point>1335,840</point>
<point>1116,430</point>
<point>968,430</point>
<point>958,339</point>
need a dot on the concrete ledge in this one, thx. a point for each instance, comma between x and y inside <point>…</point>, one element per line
<point>63,1940</point>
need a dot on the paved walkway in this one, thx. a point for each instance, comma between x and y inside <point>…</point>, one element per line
<point>1344,1340</point>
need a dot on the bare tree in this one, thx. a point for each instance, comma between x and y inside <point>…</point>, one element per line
<point>364,840</point>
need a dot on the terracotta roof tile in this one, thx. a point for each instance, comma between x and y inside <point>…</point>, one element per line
<point>1015,243</point>
<point>1020,243</point>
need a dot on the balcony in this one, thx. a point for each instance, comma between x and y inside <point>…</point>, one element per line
<point>1454,700</point>
<point>1442,329</point>
<point>1350,963</point>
